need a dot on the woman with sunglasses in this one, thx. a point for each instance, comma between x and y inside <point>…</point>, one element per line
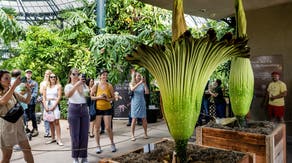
<point>12,133</point>
<point>52,94</point>
<point>78,117</point>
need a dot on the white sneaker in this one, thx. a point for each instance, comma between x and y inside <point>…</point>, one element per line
<point>113,147</point>
<point>98,150</point>
<point>75,160</point>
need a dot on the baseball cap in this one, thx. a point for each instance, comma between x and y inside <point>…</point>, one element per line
<point>275,73</point>
<point>28,70</point>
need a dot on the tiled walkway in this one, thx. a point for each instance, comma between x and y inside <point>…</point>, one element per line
<point>52,153</point>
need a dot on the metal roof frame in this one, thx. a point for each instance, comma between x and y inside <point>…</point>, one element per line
<point>39,10</point>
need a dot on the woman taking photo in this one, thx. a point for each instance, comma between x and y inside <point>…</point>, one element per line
<point>12,133</point>
<point>103,93</point>
<point>52,94</point>
<point>78,117</point>
<point>138,105</point>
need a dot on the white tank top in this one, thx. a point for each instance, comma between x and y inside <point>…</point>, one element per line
<point>52,92</point>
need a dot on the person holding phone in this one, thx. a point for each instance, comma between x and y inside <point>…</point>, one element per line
<point>78,115</point>
<point>12,133</point>
<point>138,104</point>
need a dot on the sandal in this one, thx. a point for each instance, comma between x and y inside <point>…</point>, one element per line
<point>91,136</point>
<point>133,138</point>
<point>146,137</point>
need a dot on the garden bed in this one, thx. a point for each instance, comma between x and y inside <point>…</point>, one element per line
<point>163,153</point>
<point>265,139</point>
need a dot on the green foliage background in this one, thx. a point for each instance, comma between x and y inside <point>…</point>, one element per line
<point>77,42</point>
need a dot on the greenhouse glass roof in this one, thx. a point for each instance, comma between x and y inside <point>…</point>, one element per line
<point>39,10</point>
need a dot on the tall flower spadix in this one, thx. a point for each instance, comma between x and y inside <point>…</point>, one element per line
<point>182,70</point>
<point>241,79</point>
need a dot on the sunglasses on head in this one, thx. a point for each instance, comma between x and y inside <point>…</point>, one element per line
<point>75,74</point>
<point>52,76</point>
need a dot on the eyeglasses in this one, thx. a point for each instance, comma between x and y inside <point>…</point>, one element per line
<point>75,74</point>
<point>52,77</point>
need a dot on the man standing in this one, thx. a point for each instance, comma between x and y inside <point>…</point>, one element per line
<point>276,92</point>
<point>30,112</point>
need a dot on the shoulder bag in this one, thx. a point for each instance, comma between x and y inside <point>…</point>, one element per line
<point>14,113</point>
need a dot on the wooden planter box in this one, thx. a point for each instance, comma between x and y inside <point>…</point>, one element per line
<point>267,148</point>
<point>247,157</point>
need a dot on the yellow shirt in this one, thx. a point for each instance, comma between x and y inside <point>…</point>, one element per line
<point>274,89</point>
<point>103,104</point>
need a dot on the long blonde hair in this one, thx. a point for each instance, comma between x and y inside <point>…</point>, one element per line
<point>133,80</point>
<point>47,71</point>
<point>49,84</point>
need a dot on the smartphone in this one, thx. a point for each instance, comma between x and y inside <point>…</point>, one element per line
<point>23,79</point>
<point>83,77</point>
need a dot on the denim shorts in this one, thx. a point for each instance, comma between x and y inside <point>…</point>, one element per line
<point>104,112</point>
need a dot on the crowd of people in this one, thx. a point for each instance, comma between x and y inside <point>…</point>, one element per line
<point>213,103</point>
<point>80,93</point>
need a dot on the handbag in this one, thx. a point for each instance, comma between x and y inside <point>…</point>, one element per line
<point>14,113</point>
<point>92,110</point>
<point>49,116</point>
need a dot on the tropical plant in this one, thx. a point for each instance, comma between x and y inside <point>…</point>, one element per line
<point>182,69</point>
<point>44,49</point>
<point>10,30</point>
<point>48,47</point>
<point>109,50</point>
<point>133,17</point>
<point>128,22</point>
<point>241,79</point>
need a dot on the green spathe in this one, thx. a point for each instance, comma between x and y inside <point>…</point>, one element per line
<point>241,79</point>
<point>241,86</point>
